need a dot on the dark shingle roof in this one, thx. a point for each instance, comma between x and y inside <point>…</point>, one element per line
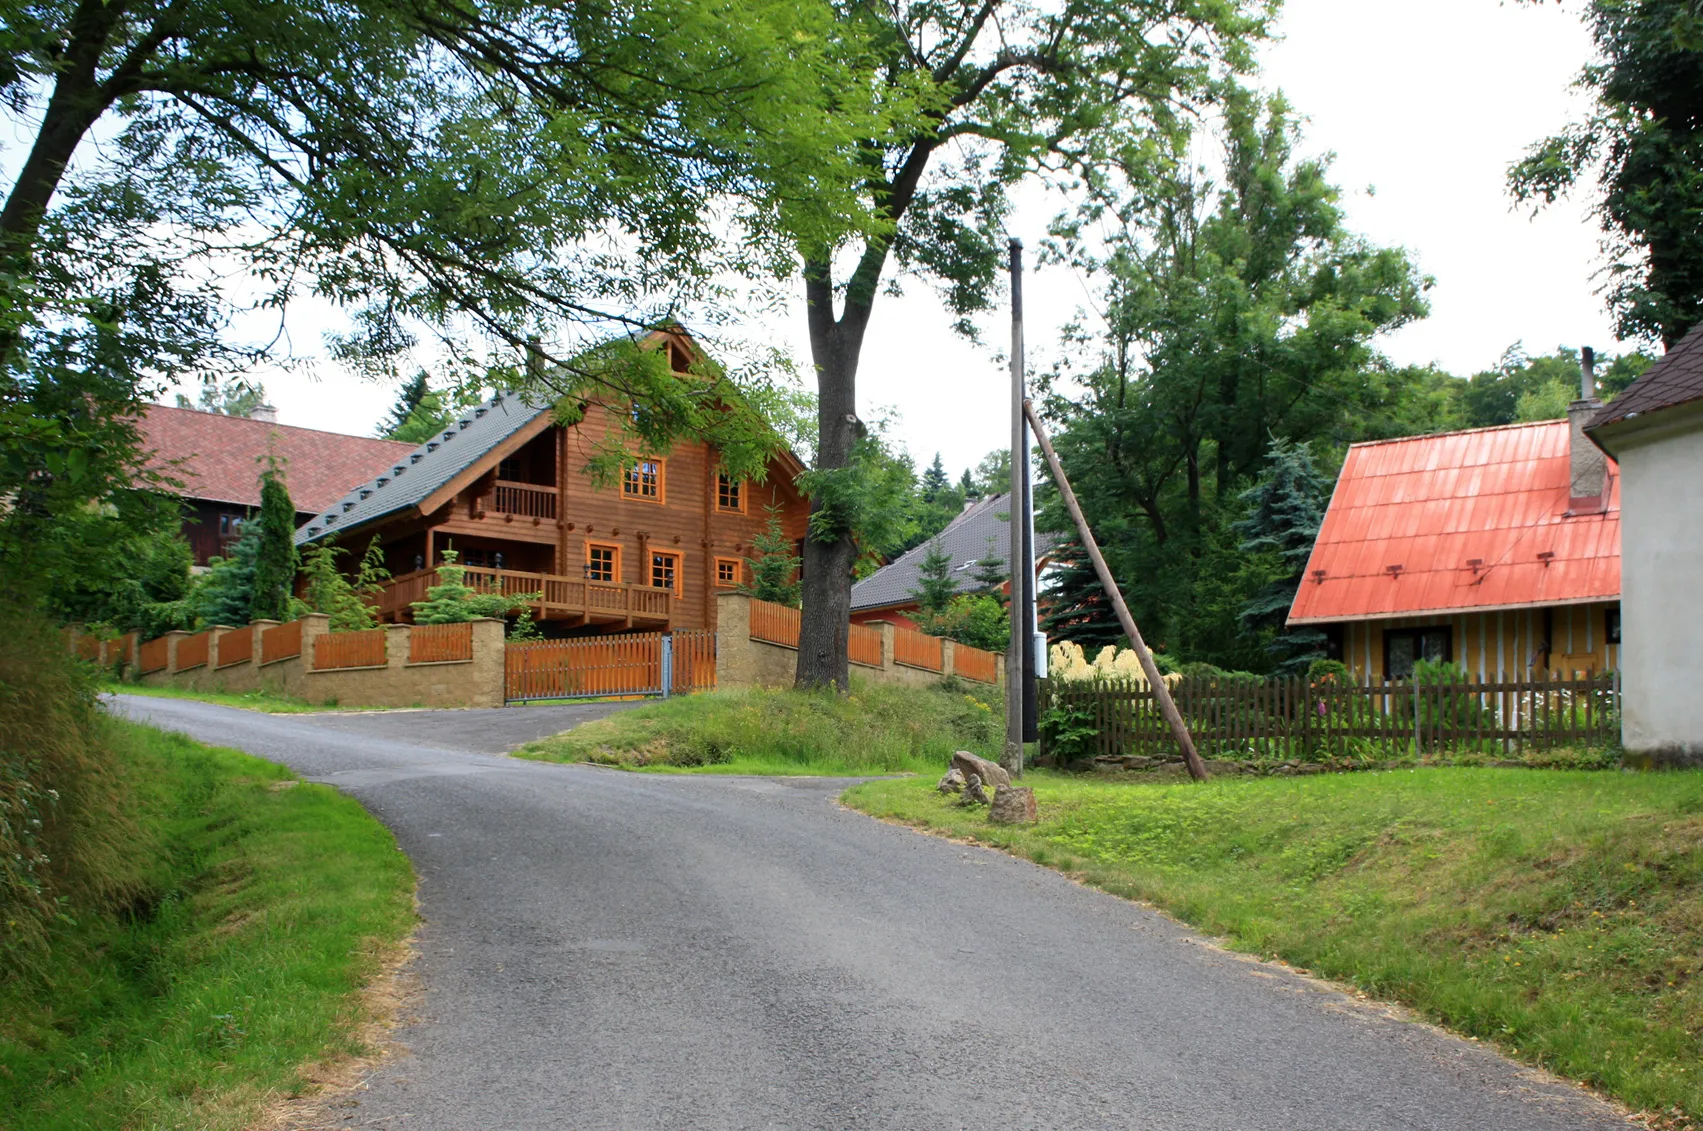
<point>413,477</point>
<point>216,457</point>
<point>1674,379</point>
<point>967,539</point>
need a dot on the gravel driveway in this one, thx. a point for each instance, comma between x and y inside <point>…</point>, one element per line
<point>604,950</point>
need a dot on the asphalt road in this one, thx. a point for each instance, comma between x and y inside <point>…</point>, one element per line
<point>621,951</point>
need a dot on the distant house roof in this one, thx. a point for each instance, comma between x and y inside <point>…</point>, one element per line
<point>415,474</point>
<point>966,540</point>
<point>217,457</point>
<point>1474,520</point>
<point>1675,378</point>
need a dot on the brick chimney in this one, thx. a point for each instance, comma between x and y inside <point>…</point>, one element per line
<point>1588,491</point>
<point>265,413</point>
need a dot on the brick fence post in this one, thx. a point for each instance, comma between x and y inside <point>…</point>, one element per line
<point>314,625</point>
<point>214,633</point>
<point>487,683</point>
<point>172,639</point>
<point>396,645</point>
<point>948,658</point>
<point>733,664</point>
<point>257,632</point>
<point>888,664</point>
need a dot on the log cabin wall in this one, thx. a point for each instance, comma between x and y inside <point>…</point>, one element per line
<point>537,510</point>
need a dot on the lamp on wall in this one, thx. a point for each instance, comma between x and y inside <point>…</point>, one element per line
<point>497,559</point>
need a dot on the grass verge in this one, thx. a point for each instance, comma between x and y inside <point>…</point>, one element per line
<point>878,729</point>
<point>265,904</point>
<point>270,702</point>
<point>1557,914</point>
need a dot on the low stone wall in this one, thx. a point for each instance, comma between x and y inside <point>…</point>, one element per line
<point>477,682</point>
<point>744,662</point>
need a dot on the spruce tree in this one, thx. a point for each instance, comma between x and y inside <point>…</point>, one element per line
<point>936,588</point>
<point>1073,602</point>
<point>1285,509</point>
<point>991,574</point>
<point>275,558</point>
<point>933,479</point>
<point>407,400</point>
<point>225,593</point>
<point>774,571</point>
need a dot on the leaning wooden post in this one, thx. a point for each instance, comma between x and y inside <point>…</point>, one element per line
<point>1161,693</point>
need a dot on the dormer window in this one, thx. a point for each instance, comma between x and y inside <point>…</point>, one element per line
<point>416,457</point>
<point>365,492</point>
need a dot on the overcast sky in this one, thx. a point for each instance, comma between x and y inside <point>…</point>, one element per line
<point>1424,106</point>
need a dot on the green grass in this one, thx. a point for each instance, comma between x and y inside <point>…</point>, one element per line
<point>878,729</point>
<point>267,903</point>
<point>271,702</point>
<point>1558,914</point>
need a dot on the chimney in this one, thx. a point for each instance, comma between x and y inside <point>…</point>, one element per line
<point>265,413</point>
<point>1588,490</point>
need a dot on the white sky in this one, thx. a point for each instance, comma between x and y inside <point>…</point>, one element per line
<point>1426,104</point>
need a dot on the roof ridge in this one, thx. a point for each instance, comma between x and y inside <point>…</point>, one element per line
<point>150,407</point>
<point>1458,432</point>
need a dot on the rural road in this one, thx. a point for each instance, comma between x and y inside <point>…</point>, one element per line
<point>604,950</point>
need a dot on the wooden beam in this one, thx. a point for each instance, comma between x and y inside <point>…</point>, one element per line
<point>1161,693</point>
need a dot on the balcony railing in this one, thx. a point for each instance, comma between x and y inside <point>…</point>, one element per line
<point>521,500</point>
<point>559,597</point>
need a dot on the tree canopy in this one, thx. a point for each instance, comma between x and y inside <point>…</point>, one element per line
<point>1643,141</point>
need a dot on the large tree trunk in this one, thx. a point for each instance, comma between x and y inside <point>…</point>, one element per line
<point>835,346</point>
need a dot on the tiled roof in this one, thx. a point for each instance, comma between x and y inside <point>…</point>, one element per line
<point>966,541</point>
<point>220,456</point>
<point>1675,378</point>
<point>1433,505</point>
<point>417,472</point>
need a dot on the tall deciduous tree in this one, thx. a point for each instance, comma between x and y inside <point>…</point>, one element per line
<point>1008,89</point>
<point>1644,142</point>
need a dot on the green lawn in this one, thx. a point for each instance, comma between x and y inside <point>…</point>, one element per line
<point>1558,914</point>
<point>270,702</point>
<point>267,904</point>
<point>878,729</point>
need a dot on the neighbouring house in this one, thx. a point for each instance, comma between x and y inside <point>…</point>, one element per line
<point>1654,431</point>
<point>218,460</point>
<point>983,530</point>
<point>505,488</point>
<point>1495,549</point>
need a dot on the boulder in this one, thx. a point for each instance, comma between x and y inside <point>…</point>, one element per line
<point>953,782</point>
<point>991,773</point>
<point>1013,805</point>
<point>973,794</point>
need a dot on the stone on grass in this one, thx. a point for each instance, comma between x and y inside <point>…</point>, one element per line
<point>953,782</point>
<point>991,773</point>
<point>1013,805</point>
<point>973,794</point>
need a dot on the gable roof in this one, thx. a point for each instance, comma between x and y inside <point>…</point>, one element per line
<point>965,541</point>
<point>1675,378</point>
<point>218,456</point>
<point>418,473</point>
<point>1433,504</point>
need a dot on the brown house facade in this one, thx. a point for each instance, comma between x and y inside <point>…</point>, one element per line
<point>505,488</point>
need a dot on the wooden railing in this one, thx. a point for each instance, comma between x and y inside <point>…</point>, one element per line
<point>236,646</point>
<point>558,596</point>
<point>349,650</point>
<point>192,650</point>
<point>915,650</point>
<point>864,646</point>
<point>525,500</point>
<point>973,663</point>
<point>152,656</point>
<point>281,642</point>
<point>440,643</point>
<point>775,624</point>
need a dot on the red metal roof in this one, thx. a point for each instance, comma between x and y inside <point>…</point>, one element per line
<point>1433,504</point>
<point>220,457</point>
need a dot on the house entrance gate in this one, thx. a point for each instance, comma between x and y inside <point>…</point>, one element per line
<point>639,663</point>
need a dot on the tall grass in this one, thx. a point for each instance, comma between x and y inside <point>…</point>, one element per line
<point>878,729</point>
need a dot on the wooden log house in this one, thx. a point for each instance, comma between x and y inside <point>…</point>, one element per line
<point>505,488</point>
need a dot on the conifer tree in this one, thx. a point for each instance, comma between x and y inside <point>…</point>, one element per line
<point>991,574</point>
<point>453,601</point>
<point>774,571</point>
<point>225,593</point>
<point>275,557</point>
<point>1285,510</point>
<point>1073,602</point>
<point>408,399</point>
<point>936,588</point>
<point>934,479</point>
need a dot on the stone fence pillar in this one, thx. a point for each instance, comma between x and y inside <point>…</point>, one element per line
<point>314,625</point>
<point>172,639</point>
<point>257,629</point>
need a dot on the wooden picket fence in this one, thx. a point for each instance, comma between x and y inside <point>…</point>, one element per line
<point>281,642</point>
<point>863,646</point>
<point>777,624</point>
<point>236,646</point>
<point>364,649</point>
<point>440,643</point>
<point>192,650</point>
<point>918,650</point>
<point>153,655</point>
<point>974,663</point>
<point>1284,719</point>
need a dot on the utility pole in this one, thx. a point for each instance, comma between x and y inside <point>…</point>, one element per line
<point>1017,653</point>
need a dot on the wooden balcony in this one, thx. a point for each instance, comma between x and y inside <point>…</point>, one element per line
<point>532,501</point>
<point>561,598</point>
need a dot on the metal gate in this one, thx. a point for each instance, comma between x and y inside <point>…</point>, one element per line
<point>639,663</point>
